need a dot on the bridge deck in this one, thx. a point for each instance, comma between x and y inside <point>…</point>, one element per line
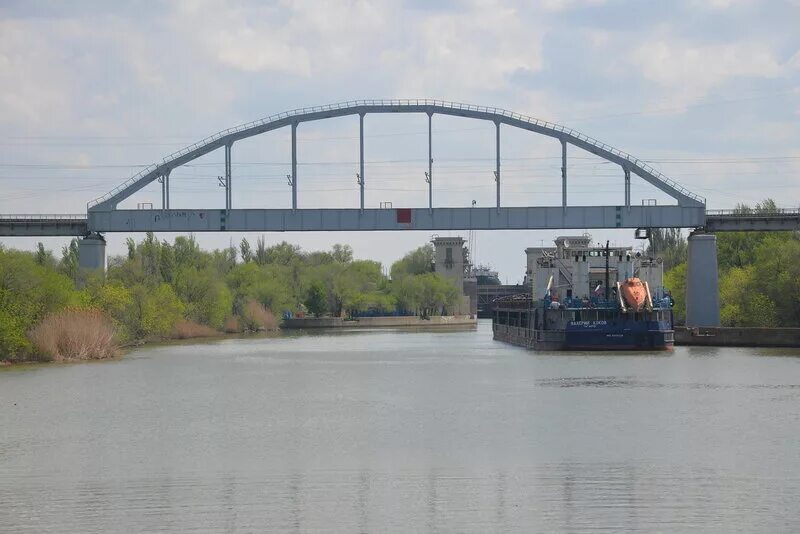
<point>41,225</point>
<point>314,220</point>
<point>737,221</point>
<point>437,219</point>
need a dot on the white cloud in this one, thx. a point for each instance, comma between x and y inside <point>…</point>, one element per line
<point>27,69</point>
<point>720,4</point>
<point>299,38</point>
<point>416,52</point>
<point>562,5</point>
<point>461,54</point>
<point>689,71</point>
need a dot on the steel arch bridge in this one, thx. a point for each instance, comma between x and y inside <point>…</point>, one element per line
<point>104,216</point>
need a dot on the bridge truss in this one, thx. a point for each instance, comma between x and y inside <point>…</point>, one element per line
<point>104,216</point>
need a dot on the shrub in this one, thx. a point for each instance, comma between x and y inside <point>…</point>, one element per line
<point>231,325</point>
<point>157,311</point>
<point>75,334</point>
<point>257,317</point>
<point>187,330</point>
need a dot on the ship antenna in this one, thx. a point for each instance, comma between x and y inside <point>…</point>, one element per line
<point>607,273</point>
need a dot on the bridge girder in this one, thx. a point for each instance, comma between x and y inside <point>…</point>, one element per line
<point>437,219</point>
<point>226,138</point>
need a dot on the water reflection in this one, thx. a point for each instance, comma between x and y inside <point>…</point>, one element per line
<point>387,431</point>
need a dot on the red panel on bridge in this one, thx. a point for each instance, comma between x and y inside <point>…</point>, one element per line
<point>404,215</point>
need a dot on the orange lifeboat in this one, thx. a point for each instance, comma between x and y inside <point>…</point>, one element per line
<point>635,294</point>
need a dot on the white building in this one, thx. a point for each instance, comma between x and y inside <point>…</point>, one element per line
<point>578,267</point>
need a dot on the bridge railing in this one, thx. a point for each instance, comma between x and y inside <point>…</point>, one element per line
<point>351,104</point>
<point>42,217</point>
<point>753,213</point>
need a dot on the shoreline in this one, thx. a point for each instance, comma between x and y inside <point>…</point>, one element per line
<point>738,336</point>
<point>404,321</point>
<point>131,346</point>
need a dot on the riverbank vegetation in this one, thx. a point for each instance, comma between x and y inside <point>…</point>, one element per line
<point>759,274</point>
<point>50,309</point>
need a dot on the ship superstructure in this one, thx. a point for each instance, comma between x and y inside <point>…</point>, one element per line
<point>588,297</point>
<point>577,267</point>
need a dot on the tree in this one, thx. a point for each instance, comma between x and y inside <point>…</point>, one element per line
<point>283,254</point>
<point>167,263</point>
<point>675,282</point>
<point>267,285</point>
<point>261,252</point>
<point>131,248</point>
<point>187,252</point>
<point>69,260</point>
<point>155,311</point>
<point>742,302</point>
<point>150,252</point>
<point>316,299</point>
<point>669,244</point>
<point>738,249</point>
<point>28,292</point>
<point>43,256</point>
<point>342,253</point>
<point>437,294</point>
<point>205,296</point>
<point>417,261</point>
<point>245,252</point>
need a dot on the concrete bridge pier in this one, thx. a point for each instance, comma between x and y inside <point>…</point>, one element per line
<point>702,281</point>
<point>92,252</point>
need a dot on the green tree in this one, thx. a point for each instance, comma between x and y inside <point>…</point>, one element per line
<point>418,261</point>
<point>205,297</point>
<point>69,260</point>
<point>44,257</point>
<point>742,302</point>
<point>284,254</point>
<point>150,252</point>
<point>187,252</point>
<point>155,311</point>
<point>28,292</point>
<point>342,253</point>
<point>131,244</point>
<point>167,263</point>
<point>116,300</point>
<point>316,299</point>
<point>265,284</point>
<point>437,294</point>
<point>245,252</point>
<point>668,244</point>
<point>675,282</point>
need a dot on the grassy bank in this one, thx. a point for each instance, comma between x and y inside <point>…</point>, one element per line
<point>52,310</point>
<point>88,334</point>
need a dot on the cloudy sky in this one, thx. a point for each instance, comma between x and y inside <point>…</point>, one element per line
<point>90,91</point>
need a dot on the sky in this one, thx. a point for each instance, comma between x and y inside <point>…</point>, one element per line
<point>707,91</point>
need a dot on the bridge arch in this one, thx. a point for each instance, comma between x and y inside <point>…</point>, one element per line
<point>226,138</point>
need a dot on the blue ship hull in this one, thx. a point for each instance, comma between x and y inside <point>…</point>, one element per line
<point>618,334</point>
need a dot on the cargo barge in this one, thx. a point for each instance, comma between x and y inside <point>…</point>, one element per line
<point>617,315</point>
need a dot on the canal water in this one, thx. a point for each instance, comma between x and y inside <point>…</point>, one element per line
<point>391,431</point>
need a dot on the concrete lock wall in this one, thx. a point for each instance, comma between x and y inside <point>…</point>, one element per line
<point>449,262</point>
<point>92,253</point>
<point>702,281</point>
